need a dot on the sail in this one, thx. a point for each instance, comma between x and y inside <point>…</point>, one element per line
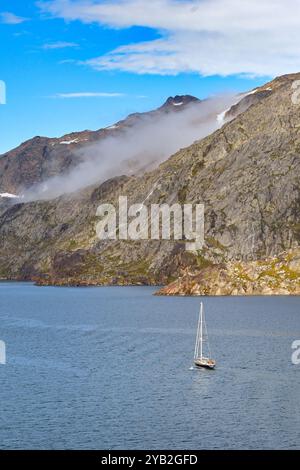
<point>202,348</point>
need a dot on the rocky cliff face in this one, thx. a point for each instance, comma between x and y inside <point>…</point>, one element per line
<point>246,174</point>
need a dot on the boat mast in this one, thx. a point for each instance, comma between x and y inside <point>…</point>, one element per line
<point>196,352</point>
<point>201,328</point>
<point>206,335</point>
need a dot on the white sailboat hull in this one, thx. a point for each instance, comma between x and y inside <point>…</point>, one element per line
<point>205,362</point>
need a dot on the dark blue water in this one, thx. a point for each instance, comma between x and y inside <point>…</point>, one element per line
<point>109,368</point>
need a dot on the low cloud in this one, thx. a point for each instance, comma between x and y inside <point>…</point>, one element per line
<point>146,141</point>
<point>224,37</point>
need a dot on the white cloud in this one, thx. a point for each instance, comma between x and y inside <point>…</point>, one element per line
<point>59,45</point>
<point>87,94</point>
<point>10,18</point>
<point>257,37</point>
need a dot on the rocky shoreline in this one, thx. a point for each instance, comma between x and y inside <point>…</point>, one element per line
<point>273,276</point>
<point>278,275</point>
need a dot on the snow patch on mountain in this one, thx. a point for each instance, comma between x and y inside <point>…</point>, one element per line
<point>8,195</point>
<point>68,142</point>
<point>221,117</point>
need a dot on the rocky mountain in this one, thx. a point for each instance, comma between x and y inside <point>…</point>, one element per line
<point>41,158</point>
<point>246,174</point>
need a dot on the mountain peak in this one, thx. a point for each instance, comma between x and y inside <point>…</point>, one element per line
<point>179,100</point>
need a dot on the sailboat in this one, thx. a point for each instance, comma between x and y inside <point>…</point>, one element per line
<point>201,360</point>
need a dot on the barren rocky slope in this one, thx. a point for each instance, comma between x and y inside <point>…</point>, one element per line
<point>247,175</point>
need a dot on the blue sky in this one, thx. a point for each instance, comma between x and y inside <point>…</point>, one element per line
<point>126,56</point>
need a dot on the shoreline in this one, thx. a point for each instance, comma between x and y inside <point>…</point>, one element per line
<point>162,290</point>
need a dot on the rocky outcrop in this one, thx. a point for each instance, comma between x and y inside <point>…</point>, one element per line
<point>272,276</point>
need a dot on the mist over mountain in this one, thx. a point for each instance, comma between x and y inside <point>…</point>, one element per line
<point>41,158</point>
<point>138,144</point>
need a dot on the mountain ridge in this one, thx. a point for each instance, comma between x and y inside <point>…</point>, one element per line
<point>40,158</point>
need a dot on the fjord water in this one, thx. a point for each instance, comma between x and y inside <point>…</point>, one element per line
<point>110,368</point>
